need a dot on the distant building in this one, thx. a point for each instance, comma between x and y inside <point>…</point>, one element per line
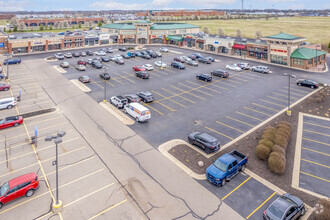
<point>6,16</point>
<point>182,13</point>
<point>72,21</point>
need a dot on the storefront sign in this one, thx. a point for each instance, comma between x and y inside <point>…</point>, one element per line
<point>2,44</point>
<point>104,36</point>
<point>36,43</point>
<point>216,42</point>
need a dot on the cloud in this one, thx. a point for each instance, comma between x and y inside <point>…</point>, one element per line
<point>13,5</point>
<point>207,3</point>
<point>278,0</point>
<point>297,6</point>
<point>113,5</point>
<point>161,3</point>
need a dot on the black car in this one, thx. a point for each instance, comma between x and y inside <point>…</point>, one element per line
<point>177,65</point>
<point>96,64</point>
<point>149,52</point>
<point>132,98</point>
<point>204,60</point>
<point>138,54</point>
<point>105,76</point>
<point>307,83</point>
<point>125,56</point>
<point>145,56</point>
<point>220,73</point>
<point>204,77</point>
<point>211,59</point>
<point>144,53</point>
<point>122,49</point>
<point>146,96</point>
<point>76,54</point>
<point>205,141</point>
<point>89,53</point>
<point>197,55</point>
<point>105,59</point>
<point>285,207</point>
<point>153,55</point>
<point>142,74</point>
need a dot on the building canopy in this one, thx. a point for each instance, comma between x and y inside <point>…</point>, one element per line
<point>174,38</point>
<point>306,53</point>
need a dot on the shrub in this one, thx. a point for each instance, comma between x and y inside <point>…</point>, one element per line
<point>262,151</point>
<point>322,210</point>
<point>284,130</point>
<point>281,140</point>
<point>276,163</point>
<point>268,143</point>
<point>278,149</point>
<point>269,134</point>
<point>285,123</point>
<point>285,134</point>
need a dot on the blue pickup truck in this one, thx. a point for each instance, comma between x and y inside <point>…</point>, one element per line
<point>226,167</point>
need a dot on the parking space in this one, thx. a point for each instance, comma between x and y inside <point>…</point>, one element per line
<point>245,195</point>
<point>83,178</point>
<point>314,170</point>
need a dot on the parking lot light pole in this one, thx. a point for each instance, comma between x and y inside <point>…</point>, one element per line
<point>105,87</point>
<point>7,77</point>
<point>57,205</point>
<point>288,112</point>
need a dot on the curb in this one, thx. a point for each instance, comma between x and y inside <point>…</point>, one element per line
<point>60,69</point>
<point>165,147</point>
<point>117,113</point>
<point>80,85</point>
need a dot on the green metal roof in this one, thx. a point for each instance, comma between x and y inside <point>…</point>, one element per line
<point>306,53</point>
<point>143,21</point>
<point>169,26</point>
<point>174,38</point>
<point>121,26</point>
<point>284,36</point>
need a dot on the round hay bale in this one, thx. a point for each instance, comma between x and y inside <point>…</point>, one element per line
<point>262,152</point>
<point>276,163</point>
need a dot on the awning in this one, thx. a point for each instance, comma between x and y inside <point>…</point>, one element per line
<point>174,38</point>
<point>239,46</point>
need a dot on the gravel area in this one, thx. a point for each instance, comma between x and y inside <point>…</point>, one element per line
<point>248,144</point>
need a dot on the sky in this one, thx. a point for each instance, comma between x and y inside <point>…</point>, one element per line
<point>67,5</point>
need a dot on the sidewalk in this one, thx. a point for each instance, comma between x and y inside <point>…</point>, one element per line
<point>160,188</point>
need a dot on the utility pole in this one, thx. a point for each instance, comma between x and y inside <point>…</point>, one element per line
<point>105,87</point>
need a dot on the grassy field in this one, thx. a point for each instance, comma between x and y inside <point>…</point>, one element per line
<point>3,21</point>
<point>315,29</point>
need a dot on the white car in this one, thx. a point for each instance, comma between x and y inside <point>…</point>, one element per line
<point>118,55</point>
<point>160,64</point>
<point>68,55</point>
<point>59,56</point>
<point>234,67</point>
<point>148,67</point>
<point>100,53</point>
<point>163,49</point>
<point>80,67</point>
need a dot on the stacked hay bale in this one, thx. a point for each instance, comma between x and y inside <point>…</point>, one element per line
<point>272,146</point>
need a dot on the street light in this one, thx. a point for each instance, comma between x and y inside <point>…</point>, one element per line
<point>105,87</point>
<point>288,112</point>
<point>57,205</point>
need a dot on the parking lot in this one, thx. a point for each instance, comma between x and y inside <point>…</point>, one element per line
<point>226,108</point>
<point>83,178</point>
<point>314,172</point>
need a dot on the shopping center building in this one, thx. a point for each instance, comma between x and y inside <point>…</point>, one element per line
<point>281,49</point>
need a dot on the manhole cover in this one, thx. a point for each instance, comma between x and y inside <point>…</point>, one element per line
<point>197,122</point>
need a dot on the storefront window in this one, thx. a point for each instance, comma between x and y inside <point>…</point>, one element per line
<point>278,59</point>
<point>298,62</point>
<point>310,61</point>
<point>38,48</point>
<point>20,50</point>
<point>54,47</point>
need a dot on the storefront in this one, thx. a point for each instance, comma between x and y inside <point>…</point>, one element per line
<point>239,49</point>
<point>129,39</point>
<point>91,40</point>
<point>104,39</point>
<point>114,39</point>
<point>74,41</point>
<point>55,44</point>
<point>156,39</point>
<point>255,51</point>
<point>189,41</point>
<point>200,44</point>
<point>218,45</point>
<point>174,40</point>
<point>18,46</point>
<point>306,58</point>
<point>283,60</point>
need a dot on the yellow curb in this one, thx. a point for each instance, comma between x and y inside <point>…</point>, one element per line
<point>297,157</point>
<point>60,69</point>
<point>80,85</point>
<point>268,120</point>
<point>117,113</point>
<point>167,146</point>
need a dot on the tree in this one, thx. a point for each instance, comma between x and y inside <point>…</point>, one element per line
<point>14,21</point>
<point>258,35</point>
<point>9,30</point>
<point>15,28</point>
<point>4,30</point>
<point>206,30</point>
<point>57,24</point>
<point>90,24</point>
<point>239,33</point>
<point>50,27</point>
<point>221,32</point>
<point>46,27</point>
<point>61,24</point>
<point>65,24</point>
<point>41,28</point>
<point>79,25</point>
<point>99,24</point>
<point>21,26</point>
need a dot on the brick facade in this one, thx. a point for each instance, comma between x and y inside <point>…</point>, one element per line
<point>182,13</point>
<point>38,22</point>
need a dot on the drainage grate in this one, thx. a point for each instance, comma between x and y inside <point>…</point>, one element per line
<point>40,112</point>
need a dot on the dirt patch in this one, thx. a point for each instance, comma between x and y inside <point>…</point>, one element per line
<point>318,104</point>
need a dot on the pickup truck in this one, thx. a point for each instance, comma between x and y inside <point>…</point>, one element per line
<point>226,167</point>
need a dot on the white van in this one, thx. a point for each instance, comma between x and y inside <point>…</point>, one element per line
<point>137,111</point>
<point>7,103</point>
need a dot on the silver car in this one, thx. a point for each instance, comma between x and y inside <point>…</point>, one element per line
<point>163,49</point>
<point>80,67</point>
<point>64,65</point>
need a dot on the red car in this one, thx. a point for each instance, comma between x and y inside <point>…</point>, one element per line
<point>11,121</point>
<point>138,68</point>
<point>4,87</point>
<point>82,62</point>
<point>179,59</point>
<point>20,186</point>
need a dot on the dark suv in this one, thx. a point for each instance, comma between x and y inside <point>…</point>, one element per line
<point>204,77</point>
<point>105,76</point>
<point>146,96</point>
<point>96,64</point>
<point>220,73</point>
<point>177,65</point>
<point>142,74</point>
<point>205,141</point>
<point>122,49</point>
